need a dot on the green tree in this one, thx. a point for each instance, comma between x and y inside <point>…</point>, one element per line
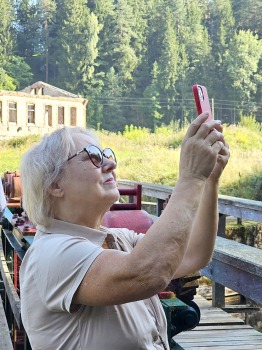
<point>46,9</point>
<point>6,82</point>
<point>139,43</point>
<point>6,30</point>
<point>196,40</point>
<point>221,27</point>
<point>28,27</point>
<point>244,55</point>
<point>113,118</point>
<point>29,40</point>
<point>74,49</point>
<point>173,59</point>
<point>105,13</point>
<point>152,106</point>
<point>248,15</point>
<point>20,72</point>
<point>124,55</point>
<point>195,55</point>
<point>6,42</point>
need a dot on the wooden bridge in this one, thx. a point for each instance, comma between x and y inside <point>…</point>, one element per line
<point>234,265</point>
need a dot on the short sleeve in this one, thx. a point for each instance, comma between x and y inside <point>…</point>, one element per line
<point>127,239</point>
<point>61,264</point>
<point>132,236</point>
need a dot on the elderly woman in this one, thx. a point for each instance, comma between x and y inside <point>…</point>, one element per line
<point>75,292</point>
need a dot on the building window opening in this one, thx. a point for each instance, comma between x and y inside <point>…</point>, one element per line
<point>12,109</point>
<point>31,113</point>
<point>48,115</point>
<point>73,116</point>
<point>61,115</point>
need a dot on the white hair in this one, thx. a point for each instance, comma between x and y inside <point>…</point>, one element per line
<point>42,166</point>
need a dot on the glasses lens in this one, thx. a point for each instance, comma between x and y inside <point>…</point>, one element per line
<point>95,155</point>
<point>109,154</point>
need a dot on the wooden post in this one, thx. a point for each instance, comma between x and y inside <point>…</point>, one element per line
<point>159,206</point>
<point>221,231</point>
<point>218,295</point>
<point>218,290</point>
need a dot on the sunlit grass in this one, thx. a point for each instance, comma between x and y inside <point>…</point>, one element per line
<point>154,158</point>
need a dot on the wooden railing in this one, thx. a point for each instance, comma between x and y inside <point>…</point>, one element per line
<point>233,265</point>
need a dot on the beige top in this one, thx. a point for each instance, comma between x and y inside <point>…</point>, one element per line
<point>51,272</point>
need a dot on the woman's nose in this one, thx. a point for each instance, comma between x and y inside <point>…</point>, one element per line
<point>108,164</point>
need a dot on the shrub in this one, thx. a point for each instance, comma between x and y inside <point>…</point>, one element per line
<point>250,122</point>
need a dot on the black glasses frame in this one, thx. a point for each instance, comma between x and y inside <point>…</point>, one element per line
<point>102,154</point>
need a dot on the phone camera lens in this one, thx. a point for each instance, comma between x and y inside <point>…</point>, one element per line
<point>200,93</point>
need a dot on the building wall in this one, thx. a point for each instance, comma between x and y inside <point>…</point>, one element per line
<point>24,127</point>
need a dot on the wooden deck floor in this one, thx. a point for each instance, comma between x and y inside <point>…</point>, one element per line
<point>218,330</point>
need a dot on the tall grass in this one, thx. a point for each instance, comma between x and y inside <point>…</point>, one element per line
<point>154,157</point>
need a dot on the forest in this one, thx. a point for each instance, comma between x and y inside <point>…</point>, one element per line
<point>136,60</point>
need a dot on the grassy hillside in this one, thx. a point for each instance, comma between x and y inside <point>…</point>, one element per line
<point>154,158</point>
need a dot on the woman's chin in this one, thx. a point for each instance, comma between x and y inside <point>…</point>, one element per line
<point>113,196</point>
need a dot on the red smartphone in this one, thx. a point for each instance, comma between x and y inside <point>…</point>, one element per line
<point>201,100</point>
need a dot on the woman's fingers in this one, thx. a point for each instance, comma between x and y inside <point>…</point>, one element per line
<point>195,125</point>
<point>218,147</point>
<point>214,136</point>
<point>201,129</point>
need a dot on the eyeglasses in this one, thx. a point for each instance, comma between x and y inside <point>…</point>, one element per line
<point>96,155</point>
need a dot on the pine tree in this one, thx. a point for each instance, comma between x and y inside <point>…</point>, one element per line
<point>248,15</point>
<point>244,55</point>
<point>28,27</point>
<point>152,107</point>
<point>6,43</point>
<point>105,13</point>
<point>46,10</point>
<point>113,118</point>
<point>124,57</point>
<point>221,29</point>
<point>74,49</point>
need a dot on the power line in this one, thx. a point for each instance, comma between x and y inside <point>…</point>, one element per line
<point>177,102</point>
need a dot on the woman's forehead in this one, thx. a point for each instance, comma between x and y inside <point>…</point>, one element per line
<point>82,140</point>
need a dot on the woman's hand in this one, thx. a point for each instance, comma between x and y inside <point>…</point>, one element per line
<point>222,160</point>
<point>204,151</point>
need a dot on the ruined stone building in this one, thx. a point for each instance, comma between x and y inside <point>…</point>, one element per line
<point>38,109</point>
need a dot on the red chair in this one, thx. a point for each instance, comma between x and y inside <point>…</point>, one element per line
<point>12,188</point>
<point>129,215</point>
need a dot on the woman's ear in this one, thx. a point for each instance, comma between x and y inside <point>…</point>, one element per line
<point>56,190</point>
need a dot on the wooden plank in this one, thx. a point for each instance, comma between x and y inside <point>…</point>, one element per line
<point>5,339</point>
<point>235,278</point>
<point>239,255</point>
<point>223,335</point>
<point>224,327</point>
<point>213,315</point>
<point>236,266</point>
<point>226,338</point>
<point>240,308</point>
<point>240,208</point>
<point>232,206</point>
<point>13,297</point>
<point>228,347</point>
<point>217,347</point>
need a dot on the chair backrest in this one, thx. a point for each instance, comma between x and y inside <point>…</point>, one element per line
<point>12,186</point>
<point>136,220</point>
<point>129,215</point>
<point>135,199</point>
<point>16,191</point>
